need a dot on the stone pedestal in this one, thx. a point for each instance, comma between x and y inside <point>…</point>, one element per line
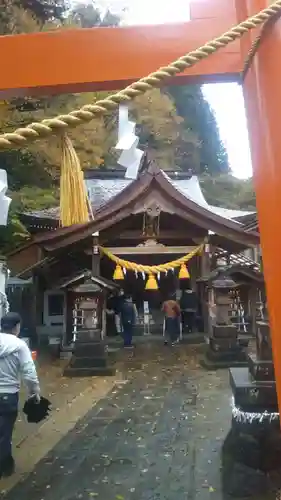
<point>90,357</point>
<point>224,348</point>
<point>255,406</point>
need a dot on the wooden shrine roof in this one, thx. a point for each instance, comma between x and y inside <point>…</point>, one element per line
<point>104,185</point>
<point>82,276</point>
<point>121,206</point>
<point>236,271</point>
<point>251,223</point>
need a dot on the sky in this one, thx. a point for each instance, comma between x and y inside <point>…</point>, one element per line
<point>226,99</point>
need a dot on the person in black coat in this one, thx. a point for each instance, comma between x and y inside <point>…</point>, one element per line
<point>128,315</point>
<point>188,305</point>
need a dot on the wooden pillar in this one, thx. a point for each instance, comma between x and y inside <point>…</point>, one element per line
<point>95,255</point>
<point>68,318</point>
<point>263,107</point>
<point>205,261</point>
<point>205,271</point>
<point>253,298</point>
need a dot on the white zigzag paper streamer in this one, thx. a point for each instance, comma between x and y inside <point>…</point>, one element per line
<point>4,200</point>
<point>128,141</point>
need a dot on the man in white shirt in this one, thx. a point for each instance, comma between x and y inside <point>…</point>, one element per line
<point>16,363</point>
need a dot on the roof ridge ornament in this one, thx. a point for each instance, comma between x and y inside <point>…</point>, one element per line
<point>128,141</point>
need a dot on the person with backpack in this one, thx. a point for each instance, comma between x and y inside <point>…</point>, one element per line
<point>172,313</point>
<point>16,364</point>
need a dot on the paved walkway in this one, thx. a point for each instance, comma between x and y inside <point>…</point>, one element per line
<point>158,436</point>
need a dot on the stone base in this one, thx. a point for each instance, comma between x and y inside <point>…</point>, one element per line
<point>261,370</point>
<point>252,395</point>
<point>246,467</point>
<point>94,371</point>
<point>89,359</point>
<point>257,429</point>
<point>211,364</point>
<point>213,360</point>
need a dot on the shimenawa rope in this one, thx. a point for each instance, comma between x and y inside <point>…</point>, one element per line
<point>133,266</point>
<point>85,114</point>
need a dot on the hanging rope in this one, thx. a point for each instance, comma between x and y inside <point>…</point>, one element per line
<point>74,204</point>
<point>47,127</point>
<point>257,43</point>
<point>133,266</point>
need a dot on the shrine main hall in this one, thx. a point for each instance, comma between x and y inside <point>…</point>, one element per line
<point>157,218</point>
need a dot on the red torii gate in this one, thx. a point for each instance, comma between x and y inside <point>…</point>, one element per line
<point>110,58</point>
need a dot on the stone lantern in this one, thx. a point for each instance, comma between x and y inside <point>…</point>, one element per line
<point>224,348</point>
<point>222,287</point>
<point>86,299</point>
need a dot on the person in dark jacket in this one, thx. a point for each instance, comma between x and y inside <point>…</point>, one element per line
<point>111,311</point>
<point>188,304</point>
<point>128,320</point>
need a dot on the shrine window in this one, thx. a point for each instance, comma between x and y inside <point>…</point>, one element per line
<point>55,305</point>
<point>54,308</point>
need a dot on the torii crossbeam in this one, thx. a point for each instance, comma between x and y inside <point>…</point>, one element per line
<point>110,58</point>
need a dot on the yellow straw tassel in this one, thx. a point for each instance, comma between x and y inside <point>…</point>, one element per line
<point>73,194</point>
<point>151,283</point>
<point>184,274</point>
<point>118,273</point>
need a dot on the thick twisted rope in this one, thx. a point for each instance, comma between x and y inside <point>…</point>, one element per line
<point>139,268</point>
<point>47,127</point>
<point>257,43</point>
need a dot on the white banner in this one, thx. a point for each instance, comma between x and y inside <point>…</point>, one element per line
<point>131,156</point>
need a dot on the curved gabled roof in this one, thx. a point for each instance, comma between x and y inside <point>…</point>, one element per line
<point>103,190</point>
<point>119,207</point>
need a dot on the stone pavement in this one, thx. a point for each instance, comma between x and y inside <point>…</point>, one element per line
<point>158,436</point>
<point>71,400</point>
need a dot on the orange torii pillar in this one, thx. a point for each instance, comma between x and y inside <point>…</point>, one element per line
<point>263,107</point>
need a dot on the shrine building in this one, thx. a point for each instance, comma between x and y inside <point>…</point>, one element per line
<point>156,218</point>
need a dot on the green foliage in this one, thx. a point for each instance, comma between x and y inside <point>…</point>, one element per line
<point>25,168</point>
<point>229,192</point>
<point>199,119</point>
<point>27,199</point>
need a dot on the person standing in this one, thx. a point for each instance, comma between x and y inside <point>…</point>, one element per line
<point>128,315</point>
<point>188,304</point>
<point>111,307</point>
<point>16,363</point>
<point>172,313</point>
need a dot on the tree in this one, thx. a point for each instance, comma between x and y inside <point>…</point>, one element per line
<point>160,128</point>
<point>44,10</point>
<point>25,16</point>
<point>228,191</point>
<point>88,15</point>
<point>27,199</point>
<point>200,120</point>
